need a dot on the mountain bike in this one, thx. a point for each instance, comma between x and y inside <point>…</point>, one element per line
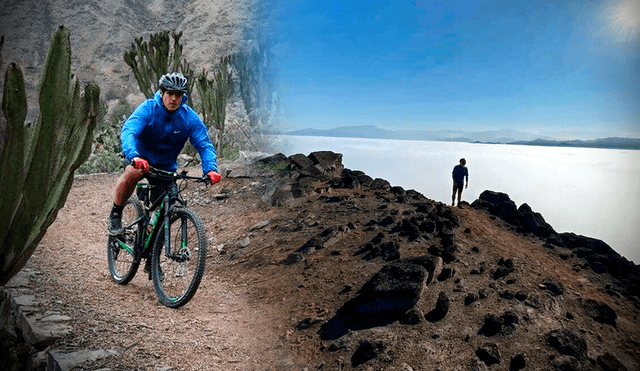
<point>158,227</point>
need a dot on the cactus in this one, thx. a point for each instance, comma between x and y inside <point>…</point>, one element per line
<point>37,163</point>
<point>214,94</point>
<point>150,60</point>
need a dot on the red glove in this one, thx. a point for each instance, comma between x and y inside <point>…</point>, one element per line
<point>140,163</point>
<point>214,177</point>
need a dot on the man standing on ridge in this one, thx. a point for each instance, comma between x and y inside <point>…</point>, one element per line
<point>154,135</point>
<point>460,172</point>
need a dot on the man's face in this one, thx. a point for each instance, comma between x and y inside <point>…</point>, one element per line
<point>171,100</point>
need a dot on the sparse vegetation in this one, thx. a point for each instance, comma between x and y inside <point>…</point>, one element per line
<point>214,94</point>
<point>14,353</point>
<point>106,151</point>
<point>151,59</point>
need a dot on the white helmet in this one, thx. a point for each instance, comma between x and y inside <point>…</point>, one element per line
<point>173,81</point>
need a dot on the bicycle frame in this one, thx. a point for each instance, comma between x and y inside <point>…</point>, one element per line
<point>176,272</point>
<point>163,205</point>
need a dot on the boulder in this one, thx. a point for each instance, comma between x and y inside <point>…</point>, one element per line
<point>329,163</point>
<point>300,161</point>
<point>533,222</point>
<point>488,353</point>
<point>505,267</point>
<point>367,351</point>
<point>441,309</point>
<point>609,362</point>
<point>600,312</point>
<point>566,363</point>
<point>552,285</point>
<point>392,291</point>
<point>499,325</point>
<point>498,204</point>
<point>273,161</point>
<point>567,343</point>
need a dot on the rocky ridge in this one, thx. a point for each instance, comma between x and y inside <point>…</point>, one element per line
<point>363,274</point>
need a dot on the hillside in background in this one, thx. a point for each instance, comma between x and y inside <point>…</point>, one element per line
<point>101,31</point>
<point>491,136</point>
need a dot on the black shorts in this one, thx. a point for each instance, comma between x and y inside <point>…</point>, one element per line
<point>160,183</point>
<point>457,187</point>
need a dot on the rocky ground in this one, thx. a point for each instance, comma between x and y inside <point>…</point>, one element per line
<point>316,267</point>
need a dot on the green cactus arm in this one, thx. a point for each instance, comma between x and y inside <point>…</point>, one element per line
<point>60,143</point>
<point>12,171</point>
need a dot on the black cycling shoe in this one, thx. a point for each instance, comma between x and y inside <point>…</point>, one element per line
<point>115,224</point>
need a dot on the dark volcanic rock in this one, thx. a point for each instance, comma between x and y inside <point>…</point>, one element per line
<point>393,290</point>
<point>494,325</point>
<point>446,253</point>
<point>498,204</point>
<point>600,312</point>
<point>533,222</point>
<point>553,286</point>
<point>367,351</point>
<point>433,265</point>
<point>609,362</point>
<point>441,309</point>
<point>566,363</point>
<point>300,161</point>
<point>567,343</point>
<point>329,163</point>
<point>518,362</point>
<point>488,353</point>
<point>412,317</point>
<point>387,250</point>
<point>599,256</point>
<point>470,298</point>
<point>505,267</point>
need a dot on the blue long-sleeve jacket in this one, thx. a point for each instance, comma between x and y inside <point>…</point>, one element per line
<point>157,135</point>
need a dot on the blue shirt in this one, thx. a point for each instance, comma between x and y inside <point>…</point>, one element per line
<point>157,135</point>
<point>459,172</point>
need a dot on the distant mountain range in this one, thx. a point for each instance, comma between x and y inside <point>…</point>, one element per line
<point>492,136</point>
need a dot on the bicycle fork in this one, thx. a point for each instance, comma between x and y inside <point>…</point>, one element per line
<point>180,255</point>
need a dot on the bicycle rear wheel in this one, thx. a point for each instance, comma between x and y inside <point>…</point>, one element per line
<point>123,264</point>
<point>177,273</point>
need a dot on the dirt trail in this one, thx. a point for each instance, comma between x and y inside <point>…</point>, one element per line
<point>220,329</point>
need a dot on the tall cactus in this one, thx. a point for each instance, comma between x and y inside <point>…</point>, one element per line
<point>38,162</point>
<point>150,60</point>
<point>214,94</point>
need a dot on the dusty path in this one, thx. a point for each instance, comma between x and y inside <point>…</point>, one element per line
<point>220,329</point>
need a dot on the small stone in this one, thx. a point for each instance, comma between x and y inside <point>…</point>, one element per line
<point>244,242</point>
<point>488,353</point>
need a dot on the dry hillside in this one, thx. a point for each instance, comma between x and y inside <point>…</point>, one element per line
<point>101,31</point>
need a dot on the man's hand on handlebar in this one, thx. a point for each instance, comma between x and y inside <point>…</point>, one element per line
<point>140,163</point>
<point>214,177</point>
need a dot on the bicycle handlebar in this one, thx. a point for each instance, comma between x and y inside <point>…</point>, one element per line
<point>181,175</point>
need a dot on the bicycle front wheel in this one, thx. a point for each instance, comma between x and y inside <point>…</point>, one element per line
<point>123,264</point>
<point>177,271</point>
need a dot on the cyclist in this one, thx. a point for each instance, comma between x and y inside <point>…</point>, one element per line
<point>154,135</point>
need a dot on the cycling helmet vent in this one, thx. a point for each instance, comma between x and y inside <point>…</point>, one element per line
<point>173,81</point>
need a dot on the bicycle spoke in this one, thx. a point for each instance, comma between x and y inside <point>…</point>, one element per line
<point>179,271</point>
<point>120,249</point>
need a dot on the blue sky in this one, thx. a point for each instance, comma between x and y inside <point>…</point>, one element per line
<point>557,68</point>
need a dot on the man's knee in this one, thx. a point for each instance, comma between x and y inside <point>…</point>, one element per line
<point>132,174</point>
